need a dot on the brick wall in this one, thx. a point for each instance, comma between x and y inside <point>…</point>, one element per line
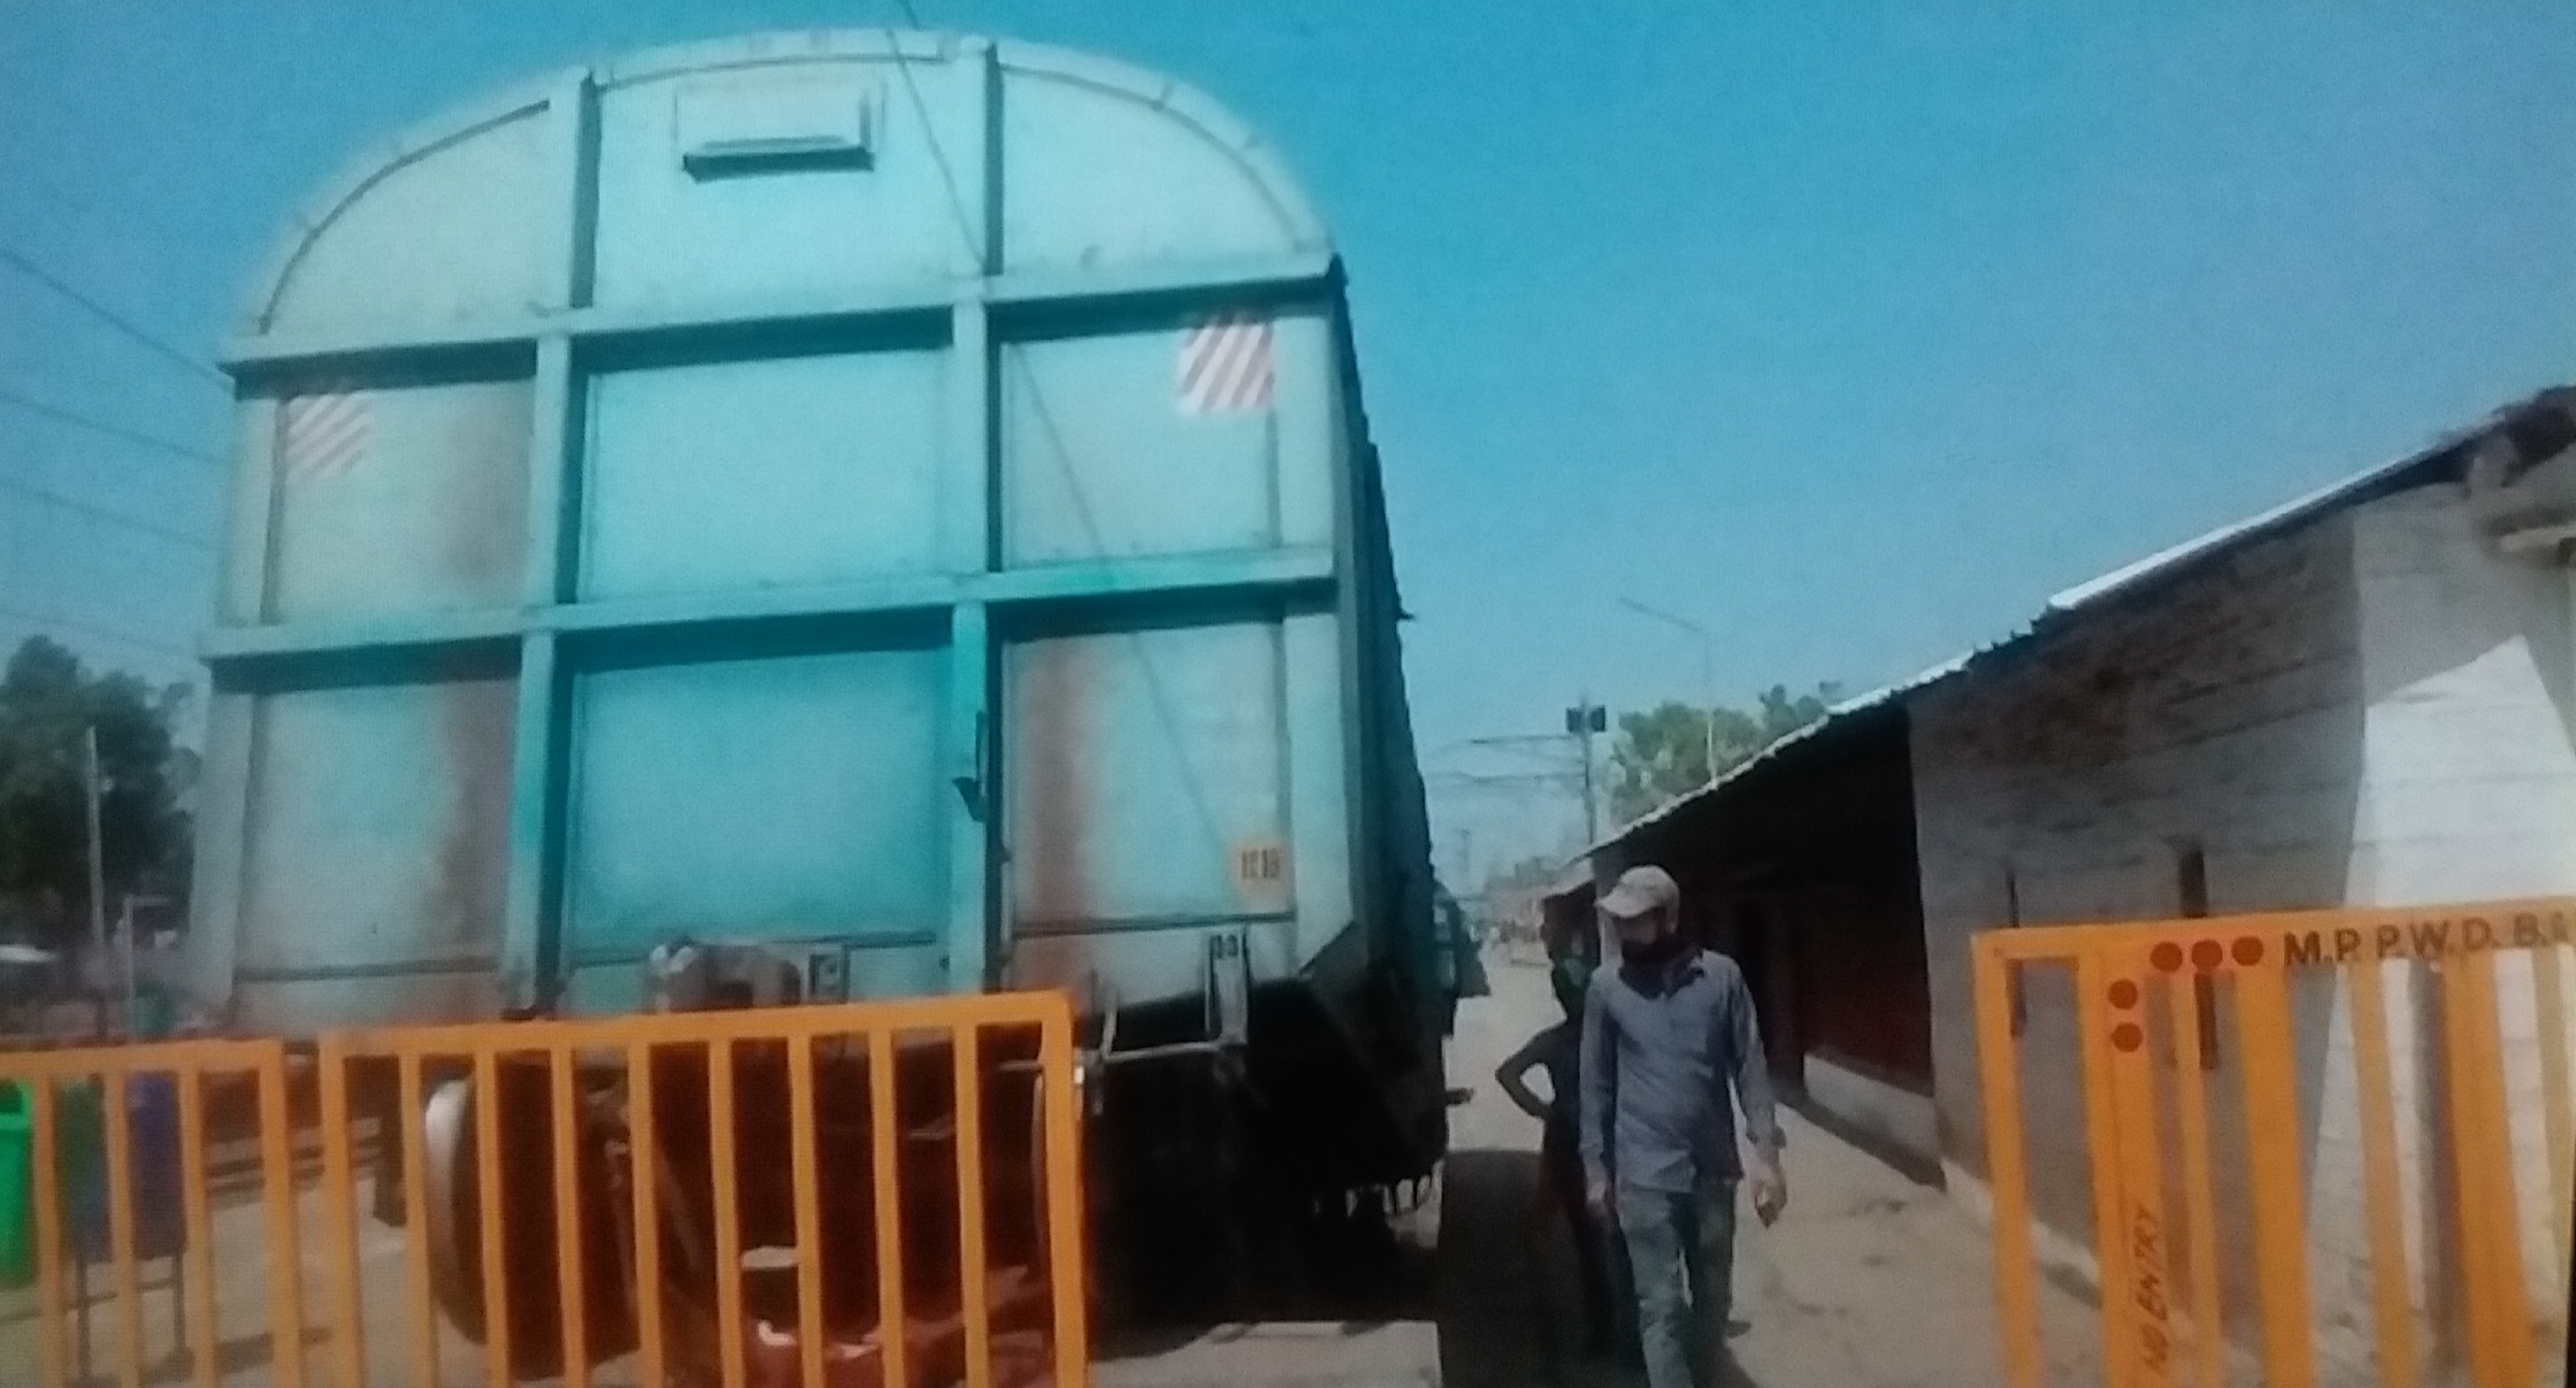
<point>2367,710</point>
<point>2225,711</point>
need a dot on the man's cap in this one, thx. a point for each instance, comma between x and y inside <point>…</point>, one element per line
<point>1640,890</point>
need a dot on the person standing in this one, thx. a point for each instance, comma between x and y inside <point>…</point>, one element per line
<point>1558,1051</point>
<point>1665,1035</point>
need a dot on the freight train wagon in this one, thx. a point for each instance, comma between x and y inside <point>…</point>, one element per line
<point>902,499</point>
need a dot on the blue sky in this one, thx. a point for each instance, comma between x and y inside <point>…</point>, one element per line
<point>1850,331</point>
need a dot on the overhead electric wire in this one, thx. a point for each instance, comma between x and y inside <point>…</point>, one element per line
<point>166,224</point>
<point>1158,696</point>
<point>77,420</point>
<point>930,132</point>
<point>1517,785</point>
<point>126,326</point>
<point>101,513</point>
<point>92,629</point>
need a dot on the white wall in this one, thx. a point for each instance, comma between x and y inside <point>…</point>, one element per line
<point>2466,666</point>
<point>2470,795</point>
<point>2368,710</point>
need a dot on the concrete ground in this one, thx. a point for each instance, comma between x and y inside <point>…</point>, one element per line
<point>1869,1280</point>
<point>244,1354</point>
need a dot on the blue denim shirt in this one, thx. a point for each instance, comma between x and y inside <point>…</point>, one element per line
<point>1659,1051</point>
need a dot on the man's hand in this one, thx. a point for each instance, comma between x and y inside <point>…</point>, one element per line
<point>1770,1190</point>
<point>1596,1195</point>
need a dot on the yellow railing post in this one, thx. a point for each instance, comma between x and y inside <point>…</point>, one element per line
<point>1064,1196</point>
<point>114,1098</point>
<point>45,1138</point>
<point>2392,1300</point>
<point>2127,1135</point>
<point>894,1340</point>
<point>644,1175</point>
<point>969,1128</point>
<point>420,1297</point>
<point>2280,1192</point>
<point>2102,1148</point>
<point>2558,1124</point>
<point>2482,1142</point>
<point>204,1336</point>
<point>727,1183</point>
<point>2143,1231</point>
<point>488,1167</point>
<point>2183,993</point>
<point>285,1243</point>
<point>488,1206</point>
<point>566,1121</point>
<point>2008,1185</point>
<point>340,1216</point>
<point>809,1206</point>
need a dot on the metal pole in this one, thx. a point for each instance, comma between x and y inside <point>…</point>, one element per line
<point>125,927</point>
<point>97,850</point>
<point>1707,672</point>
<point>1591,810</point>
<point>80,1299</point>
<point>2570,1283</point>
<point>1708,715</point>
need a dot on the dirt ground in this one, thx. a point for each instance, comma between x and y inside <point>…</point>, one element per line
<point>1869,1280</point>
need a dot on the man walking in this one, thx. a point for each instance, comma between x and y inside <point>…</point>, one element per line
<point>1664,1035</point>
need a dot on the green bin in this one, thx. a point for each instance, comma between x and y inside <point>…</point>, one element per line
<point>17,1233</point>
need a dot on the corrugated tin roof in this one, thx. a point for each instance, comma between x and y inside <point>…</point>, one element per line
<point>2361,486</point>
<point>1577,877</point>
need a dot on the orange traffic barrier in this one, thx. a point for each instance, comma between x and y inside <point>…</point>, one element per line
<point>2354,1135</point>
<point>92,1190</point>
<point>871,1194</point>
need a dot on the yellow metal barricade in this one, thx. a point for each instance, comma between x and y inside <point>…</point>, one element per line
<point>859,1196</point>
<point>2319,1147</point>
<point>111,1181</point>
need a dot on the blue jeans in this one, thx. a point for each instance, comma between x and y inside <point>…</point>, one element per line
<point>1681,1249</point>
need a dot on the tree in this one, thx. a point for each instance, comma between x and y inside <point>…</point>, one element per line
<point>1663,753</point>
<point>47,702</point>
<point>1783,715</point>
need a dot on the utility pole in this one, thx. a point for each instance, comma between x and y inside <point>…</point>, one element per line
<point>1581,722</point>
<point>97,851</point>
<point>125,928</point>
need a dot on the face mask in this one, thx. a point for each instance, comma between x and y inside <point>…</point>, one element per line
<point>1659,950</point>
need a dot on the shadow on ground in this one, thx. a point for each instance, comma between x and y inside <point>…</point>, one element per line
<point>238,1355</point>
<point>1912,1165</point>
<point>1359,1269</point>
<point>1507,1313</point>
<point>1484,1261</point>
<point>1494,1330</point>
